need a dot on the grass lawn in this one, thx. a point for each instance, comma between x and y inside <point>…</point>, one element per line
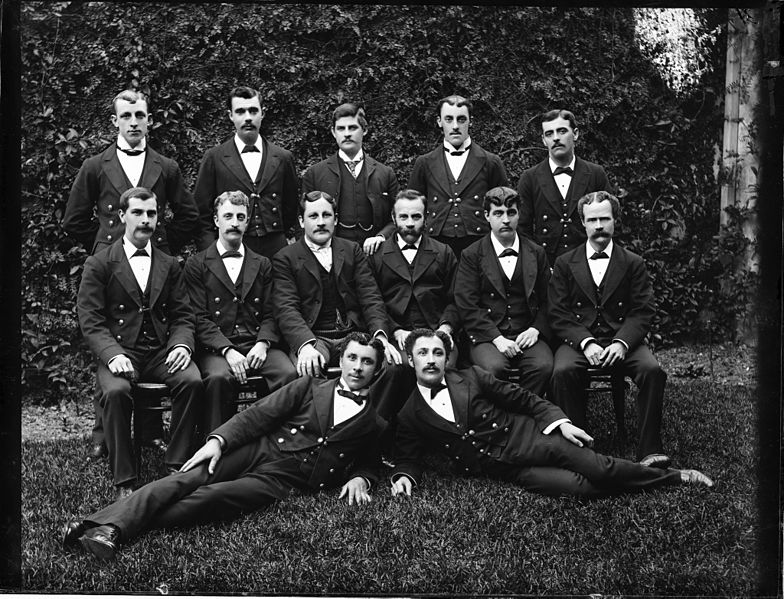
<point>455,536</point>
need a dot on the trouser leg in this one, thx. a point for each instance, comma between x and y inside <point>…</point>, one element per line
<point>567,386</point>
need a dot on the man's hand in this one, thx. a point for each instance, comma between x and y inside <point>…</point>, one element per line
<point>402,486</point>
<point>310,361</point>
<point>448,330</point>
<point>576,435</point>
<point>257,355</point>
<point>357,491</point>
<point>211,451</point>
<point>372,244</point>
<point>390,353</point>
<point>527,338</point>
<point>506,346</point>
<point>615,352</point>
<point>238,365</point>
<point>593,352</point>
<point>122,366</point>
<point>178,359</point>
<point>400,338</point>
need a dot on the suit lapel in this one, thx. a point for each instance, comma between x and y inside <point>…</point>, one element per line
<point>530,270</point>
<point>427,414</point>
<point>215,264</point>
<point>323,392</point>
<point>582,274</point>
<point>114,172</point>
<point>271,165</point>
<point>312,266</point>
<point>616,270</point>
<point>394,259</point>
<point>425,256</point>
<point>491,266</point>
<point>579,184</point>
<point>459,390</point>
<point>338,259</point>
<point>250,267</point>
<point>233,163</point>
<point>438,168</point>
<point>547,184</point>
<point>471,168</point>
<point>152,169</point>
<point>124,272</point>
<point>158,274</point>
<point>335,164</point>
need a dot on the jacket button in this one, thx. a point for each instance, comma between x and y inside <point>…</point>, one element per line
<point>476,212</point>
<point>492,295</point>
<point>293,431</point>
<point>111,222</point>
<point>257,328</point>
<point>495,425</point>
<point>109,207</point>
<point>160,239</point>
<point>235,299</point>
<point>121,307</point>
<point>620,304</point>
<point>119,337</point>
<point>281,439</point>
<point>544,244</point>
<point>217,299</point>
<point>484,415</point>
<point>302,427</point>
<point>579,304</point>
<point>455,224</point>
<point>275,224</point>
<point>109,237</point>
<point>342,456</point>
<point>544,217</point>
<point>274,209</point>
<point>255,314</point>
<point>620,319</point>
<point>141,310</point>
<point>255,300</point>
<point>163,319</point>
<point>479,228</point>
<point>274,195</point>
<point>431,229</point>
<point>331,470</point>
<point>217,312</point>
<point>121,321</point>
<point>321,485</point>
<point>544,230</point>
<point>320,440</point>
<point>446,446</point>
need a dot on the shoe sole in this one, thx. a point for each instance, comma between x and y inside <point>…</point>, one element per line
<point>101,550</point>
<point>72,544</point>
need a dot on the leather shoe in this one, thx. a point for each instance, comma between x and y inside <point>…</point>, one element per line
<point>122,491</point>
<point>71,533</point>
<point>102,541</point>
<point>158,444</point>
<point>656,460</point>
<point>695,477</point>
<point>98,451</point>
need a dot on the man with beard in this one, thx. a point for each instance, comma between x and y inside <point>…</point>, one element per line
<point>230,287</point>
<point>493,428</point>
<point>501,292</point>
<point>254,165</point>
<point>416,274</point>
<point>310,435</point>
<point>600,305</point>
<point>549,191</point>
<point>454,178</point>
<point>362,187</point>
<point>135,317</point>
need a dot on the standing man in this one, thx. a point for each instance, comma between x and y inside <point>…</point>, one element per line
<point>549,191</point>
<point>91,212</point>
<point>230,288</point>
<point>501,292</point>
<point>254,165</point>
<point>135,317</point>
<point>324,290</point>
<point>493,428</point>
<point>416,274</point>
<point>362,187</point>
<point>455,177</point>
<point>600,305</point>
<point>310,435</point>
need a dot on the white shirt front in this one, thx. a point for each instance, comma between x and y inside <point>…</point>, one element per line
<point>233,265</point>
<point>456,163</point>
<point>441,403</point>
<point>563,181</point>
<point>508,263</point>
<point>344,407</point>
<point>408,254</point>
<point>599,266</point>
<point>359,159</point>
<point>323,253</point>
<point>131,165</point>
<point>140,265</point>
<point>251,160</point>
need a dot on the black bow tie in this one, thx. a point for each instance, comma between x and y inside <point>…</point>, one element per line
<point>131,152</point>
<point>436,390</point>
<point>507,252</point>
<point>141,252</point>
<point>599,256</point>
<point>456,152</point>
<point>359,397</point>
<point>231,254</point>
<point>409,246</point>
<point>249,148</point>
<point>565,170</point>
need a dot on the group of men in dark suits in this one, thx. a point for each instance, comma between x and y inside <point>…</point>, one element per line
<point>378,275</point>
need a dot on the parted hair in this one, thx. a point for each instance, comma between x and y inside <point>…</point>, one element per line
<point>596,197</point>
<point>409,194</point>
<point>364,339</point>
<point>242,91</point>
<point>315,196</point>
<point>559,113</point>
<point>418,333</point>
<point>349,109</point>
<point>141,193</point>
<point>131,96</point>
<point>455,100</point>
<point>237,198</point>
<point>500,196</point>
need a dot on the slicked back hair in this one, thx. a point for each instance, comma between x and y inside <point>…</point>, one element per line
<point>596,197</point>
<point>348,110</point>
<point>500,196</point>
<point>315,196</point>
<point>455,100</point>
<point>366,340</point>
<point>426,333</point>
<point>131,96</point>
<point>245,92</point>
<point>141,193</point>
<point>237,198</point>
<point>409,194</point>
<point>559,113</point>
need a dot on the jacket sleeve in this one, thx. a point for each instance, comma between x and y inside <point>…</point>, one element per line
<point>565,327</point>
<point>391,188</point>
<point>541,321</point>
<point>78,219</point>
<point>184,223</point>
<point>92,311</point>
<point>637,321</point>
<point>288,304</point>
<point>525,190</point>
<point>268,327</point>
<point>290,196</point>
<point>204,195</point>
<point>409,447</point>
<point>451,313</point>
<point>418,178</point>
<point>468,284</point>
<point>373,308</point>
<point>182,323</point>
<point>497,173</point>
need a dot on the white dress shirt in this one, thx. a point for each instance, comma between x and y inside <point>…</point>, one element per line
<point>132,165</point>
<point>599,266</point>
<point>345,407</point>
<point>563,181</point>
<point>408,254</point>
<point>323,253</point>
<point>456,163</point>
<point>251,160</point>
<point>508,263</point>
<point>233,265</point>
<point>140,265</point>
<point>441,403</point>
<point>359,159</point>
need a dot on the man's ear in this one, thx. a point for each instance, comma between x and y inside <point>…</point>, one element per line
<point>576,133</point>
<point>121,214</point>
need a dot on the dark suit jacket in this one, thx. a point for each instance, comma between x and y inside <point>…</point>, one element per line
<point>493,418</point>
<point>296,419</point>
<point>222,170</point>
<point>480,293</point>
<point>298,290</point>
<point>382,187</point>
<point>541,205</point>
<point>91,212</point>
<point>109,303</point>
<point>431,177</point>
<point>218,307</point>
<point>627,301</point>
<point>431,282</point>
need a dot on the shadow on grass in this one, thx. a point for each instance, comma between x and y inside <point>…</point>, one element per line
<point>466,536</point>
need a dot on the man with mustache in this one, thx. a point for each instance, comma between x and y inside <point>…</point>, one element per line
<point>311,435</point>
<point>600,304</point>
<point>549,191</point>
<point>91,212</point>
<point>324,289</point>
<point>493,428</point>
<point>230,288</point>
<point>454,178</point>
<point>362,187</point>
<point>501,293</point>
<point>135,317</point>
<point>250,163</point>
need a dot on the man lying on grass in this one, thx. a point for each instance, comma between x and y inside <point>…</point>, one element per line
<point>311,434</point>
<point>495,428</point>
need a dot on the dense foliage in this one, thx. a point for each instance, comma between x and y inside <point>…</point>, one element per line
<point>659,147</point>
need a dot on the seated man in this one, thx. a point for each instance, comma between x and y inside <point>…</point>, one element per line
<point>490,427</point>
<point>230,287</point>
<point>416,274</point>
<point>310,435</point>
<point>135,317</point>
<point>324,289</point>
<point>501,292</point>
<point>600,305</point>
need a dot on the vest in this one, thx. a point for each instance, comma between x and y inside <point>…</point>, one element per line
<point>600,329</point>
<point>255,223</point>
<point>518,315</point>
<point>355,211</point>
<point>453,216</point>
<point>148,338</point>
<point>332,316</point>
<point>413,317</point>
<point>240,331</point>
